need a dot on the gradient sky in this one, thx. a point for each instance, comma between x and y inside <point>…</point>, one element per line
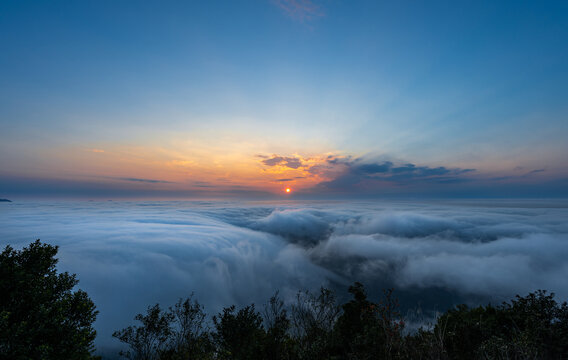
<point>178,99</point>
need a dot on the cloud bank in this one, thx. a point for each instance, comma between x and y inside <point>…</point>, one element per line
<point>362,174</point>
<point>131,254</point>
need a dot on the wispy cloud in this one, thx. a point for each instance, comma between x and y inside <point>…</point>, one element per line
<point>300,10</point>
<point>150,181</point>
<point>202,184</point>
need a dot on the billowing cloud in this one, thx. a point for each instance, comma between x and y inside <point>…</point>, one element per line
<point>129,255</point>
<point>307,227</point>
<point>471,252</point>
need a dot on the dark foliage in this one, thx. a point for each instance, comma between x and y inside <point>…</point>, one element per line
<point>178,333</point>
<point>151,340</point>
<point>366,330</point>
<point>41,317</point>
<point>239,334</point>
<point>314,318</point>
<point>192,339</point>
<point>278,342</point>
<point>531,327</point>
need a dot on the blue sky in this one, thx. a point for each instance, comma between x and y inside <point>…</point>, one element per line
<point>197,95</point>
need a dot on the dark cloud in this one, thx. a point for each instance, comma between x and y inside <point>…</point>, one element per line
<point>404,168</point>
<point>320,169</point>
<point>523,176</point>
<point>365,175</point>
<point>289,179</point>
<point>275,160</point>
<point>522,168</point>
<point>332,159</point>
<point>291,162</point>
<point>375,168</point>
<point>150,181</point>
<point>202,184</point>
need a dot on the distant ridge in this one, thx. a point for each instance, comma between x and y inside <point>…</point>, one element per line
<point>5,200</point>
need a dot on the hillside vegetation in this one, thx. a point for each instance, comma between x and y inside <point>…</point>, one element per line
<point>41,317</point>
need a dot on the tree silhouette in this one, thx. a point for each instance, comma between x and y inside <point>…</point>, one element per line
<point>40,316</point>
<point>239,335</point>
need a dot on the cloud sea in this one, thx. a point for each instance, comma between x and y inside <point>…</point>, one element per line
<point>128,255</point>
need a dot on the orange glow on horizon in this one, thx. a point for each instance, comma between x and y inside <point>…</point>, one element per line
<point>198,168</point>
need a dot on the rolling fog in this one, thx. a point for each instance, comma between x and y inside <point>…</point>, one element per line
<point>128,255</point>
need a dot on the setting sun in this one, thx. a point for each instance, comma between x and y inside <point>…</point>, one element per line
<point>288,190</point>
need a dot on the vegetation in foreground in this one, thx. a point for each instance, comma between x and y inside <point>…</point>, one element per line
<point>42,318</point>
<point>315,327</point>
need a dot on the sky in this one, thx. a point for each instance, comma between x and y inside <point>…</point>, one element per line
<point>330,98</point>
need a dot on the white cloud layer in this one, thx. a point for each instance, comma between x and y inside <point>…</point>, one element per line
<point>130,255</point>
